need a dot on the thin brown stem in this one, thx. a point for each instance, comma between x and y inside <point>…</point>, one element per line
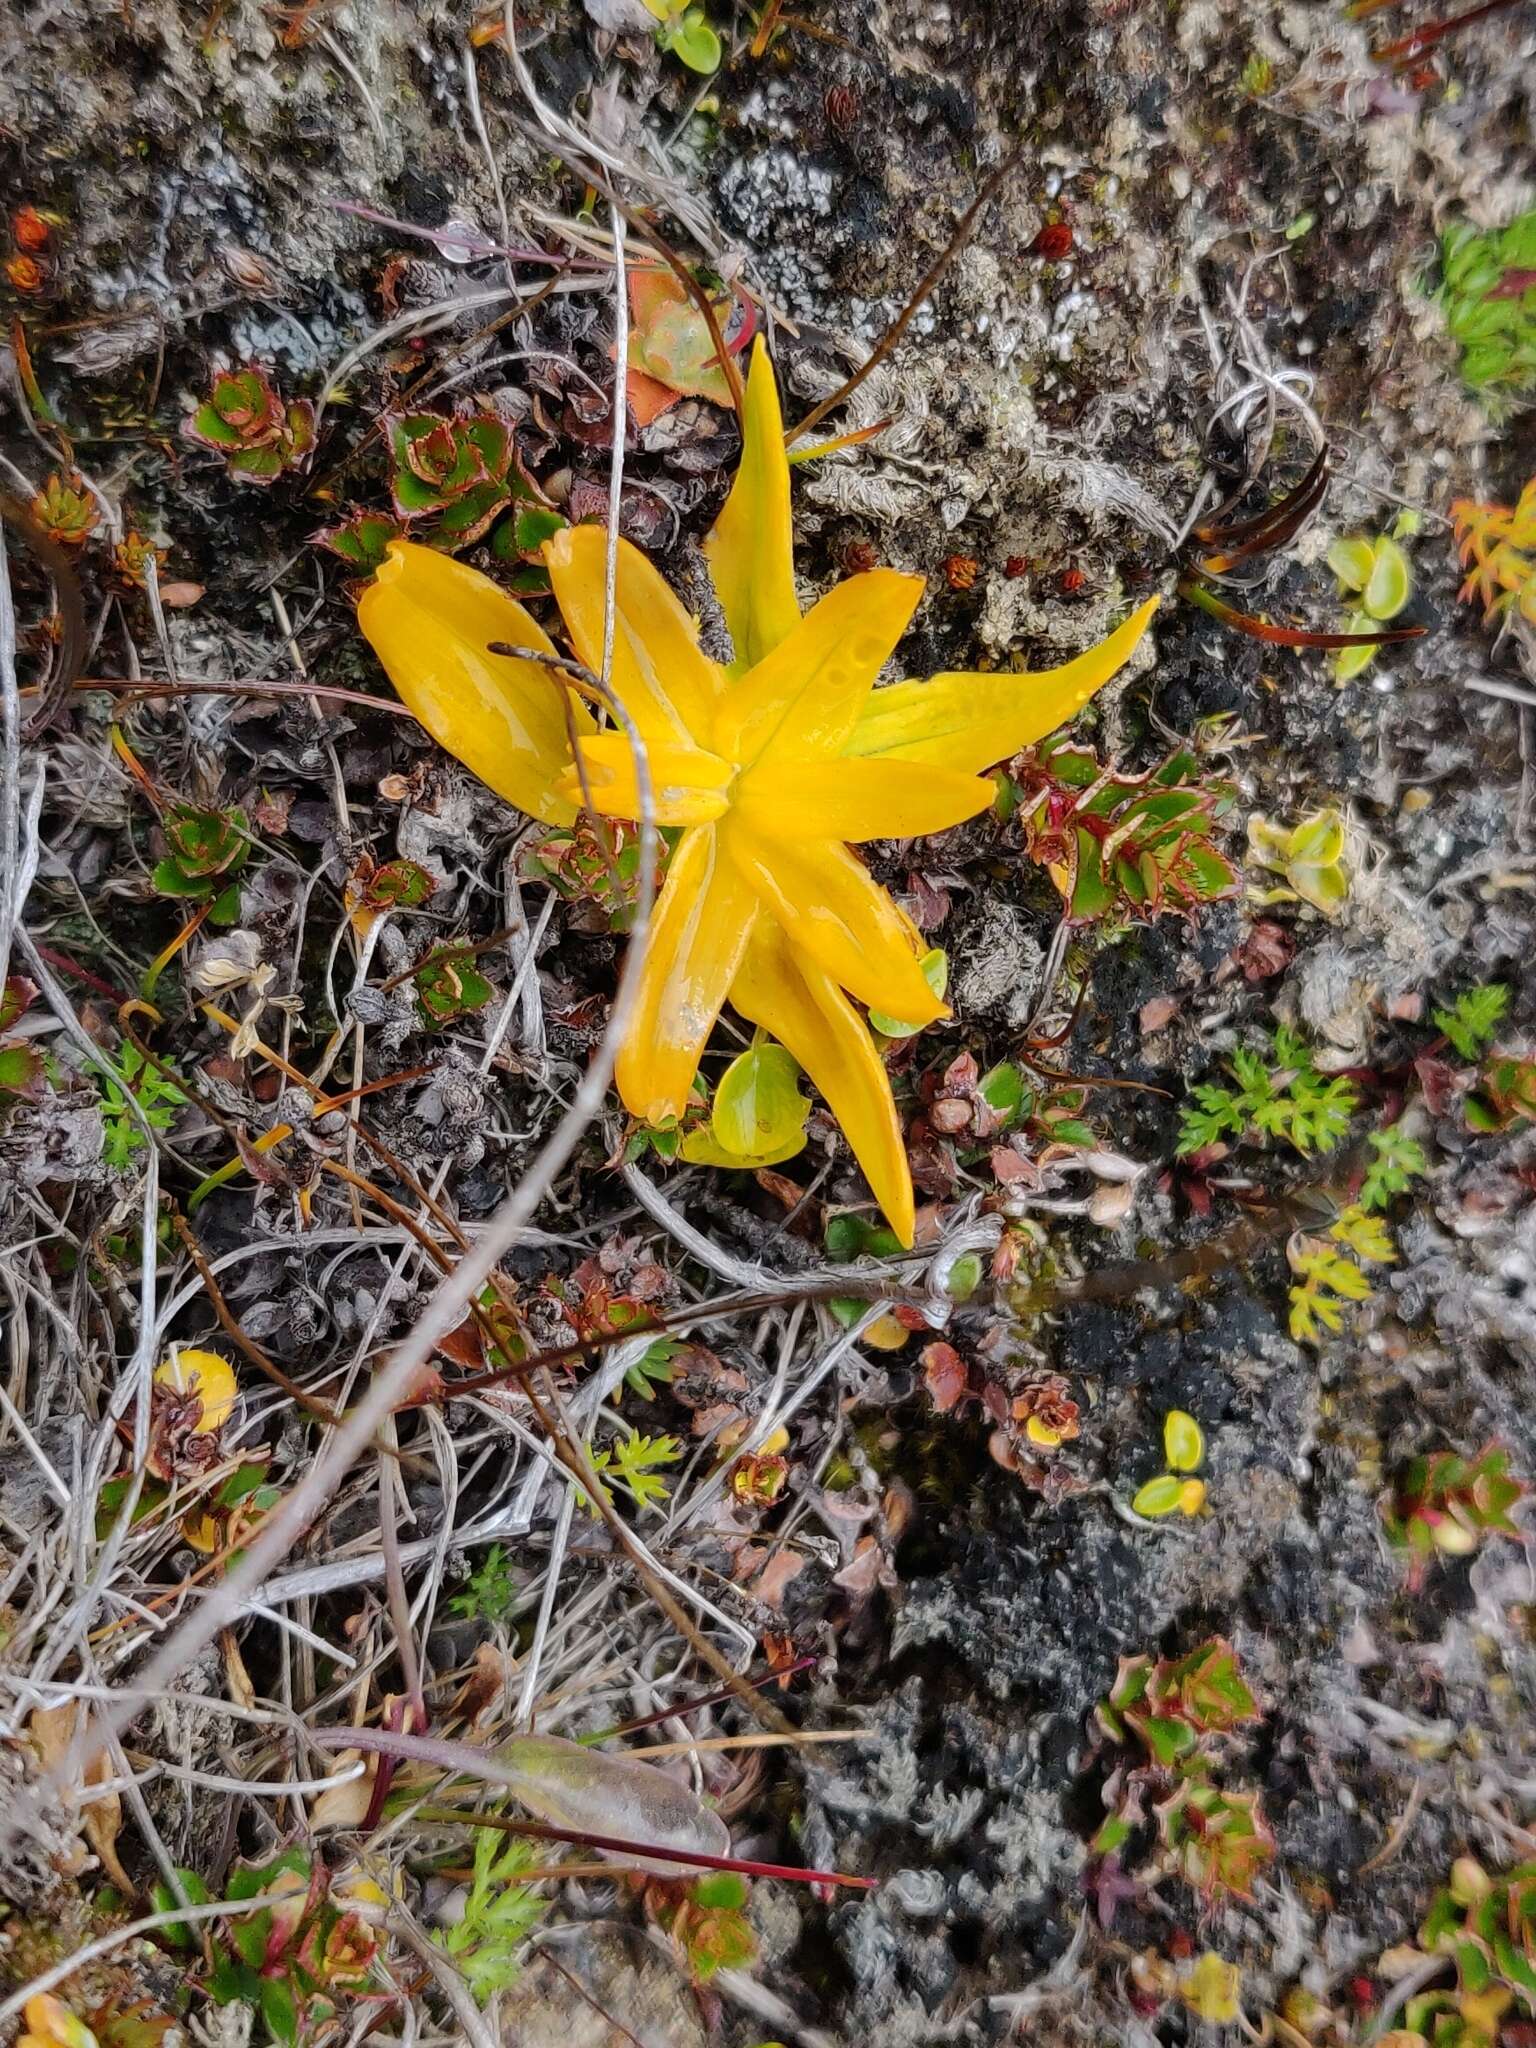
<point>969,221</point>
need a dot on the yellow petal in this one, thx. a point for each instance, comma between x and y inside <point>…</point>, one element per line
<point>430,619</point>
<point>186,1372</point>
<point>699,931</point>
<point>811,1017</point>
<point>664,682</point>
<point>842,799</point>
<point>806,696</point>
<point>749,551</point>
<point>835,912</point>
<point>688,785</point>
<point>971,722</point>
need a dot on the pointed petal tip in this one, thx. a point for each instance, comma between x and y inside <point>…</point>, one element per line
<point>557,549</point>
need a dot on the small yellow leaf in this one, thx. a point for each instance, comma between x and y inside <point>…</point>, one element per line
<point>1352,559</point>
<point>1319,840</point>
<point>1210,1989</point>
<point>886,1334</point>
<point>1183,1441</point>
<point>1159,1496</point>
<point>1391,581</point>
<point>51,2023</point>
<point>1191,1496</point>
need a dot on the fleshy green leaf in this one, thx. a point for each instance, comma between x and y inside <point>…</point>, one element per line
<point>758,1106</point>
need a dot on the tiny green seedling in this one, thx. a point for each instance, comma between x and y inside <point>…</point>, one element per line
<point>449,985</point>
<point>488,1941</point>
<point>1280,1094</point>
<point>490,1592</point>
<point>1375,571</point>
<point>158,1097</point>
<point>1472,1022</point>
<point>684,33</point>
<point>1488,291</point>
<point>1445,1505</point>
<point>1396,1159</point>
<point>634,1464</point>
<point>1174,1491</point>
<point>1121,846</point>
<point>1312,857</point>
<point>1171,1720</point>
<point>205,852</point>
<point>259,434</point>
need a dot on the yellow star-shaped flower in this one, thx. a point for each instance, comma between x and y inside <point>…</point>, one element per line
<point>769,767</point>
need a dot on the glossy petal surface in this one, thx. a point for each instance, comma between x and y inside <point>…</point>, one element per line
<point>703,918</point>
<point>847,799</point>
<point>971,722</point>
<point>806,696</point>
<point>688,785</point>
<point>430,620</point>
<point>809,1014</point>
<point>749,549</point>
<point>836,913</point>
<point>664,682</point>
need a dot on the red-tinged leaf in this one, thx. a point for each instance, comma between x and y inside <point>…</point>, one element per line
<point>945,1375</point>
<point>1268,950</point>
<point>1438,1081</point>
<point>1286,636</point>
<point>22,1071</point>
<point>16,998</point>
<point>464,1346</point>
<point>1010,1168</point>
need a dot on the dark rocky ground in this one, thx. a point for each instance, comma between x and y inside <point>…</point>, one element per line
<point>1057,415</point>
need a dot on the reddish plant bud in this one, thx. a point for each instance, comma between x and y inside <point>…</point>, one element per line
<point>1072,580</point>
<point>960,571</point>
<point>842,104</point>
<point>25,274</point>
<point>30,231</point>
<point>1053,244</point>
